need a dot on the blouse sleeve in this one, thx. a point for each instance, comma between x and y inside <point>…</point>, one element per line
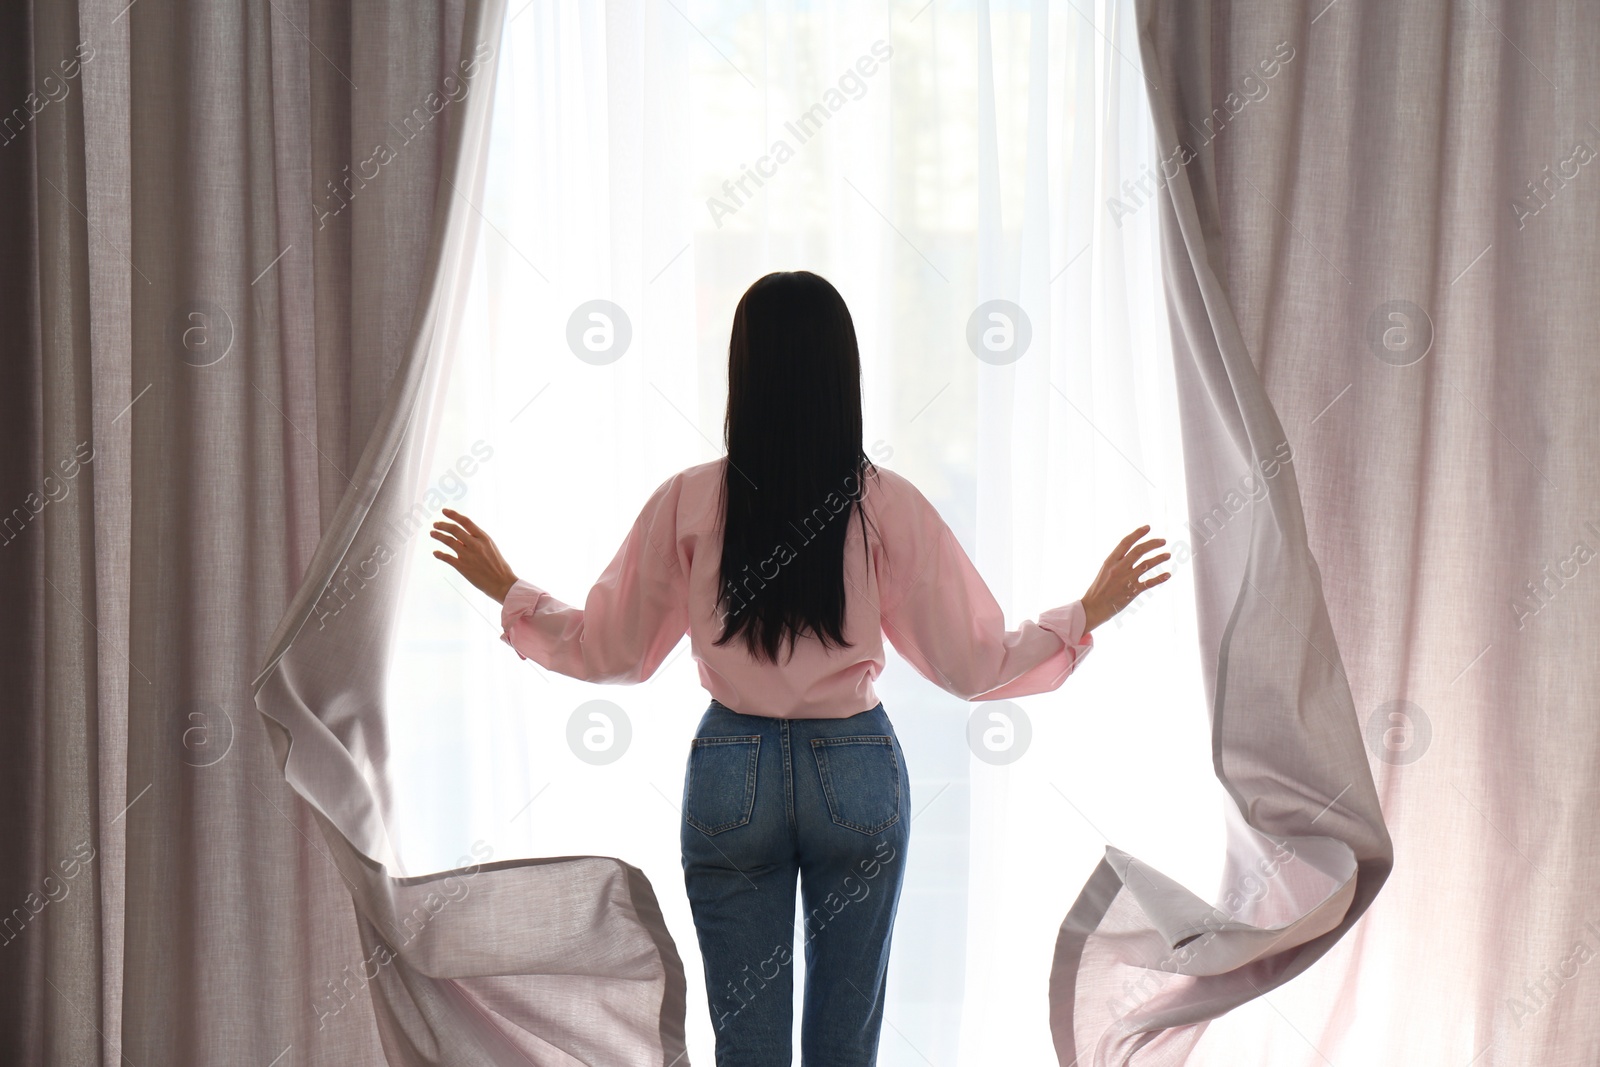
<point>634,615</point>
<point>939,615</point>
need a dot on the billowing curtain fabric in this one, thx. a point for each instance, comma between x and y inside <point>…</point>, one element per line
<point>548,961</point>
<point>1142,963</point>
<point>1388,261</point>
<point>237,268</point>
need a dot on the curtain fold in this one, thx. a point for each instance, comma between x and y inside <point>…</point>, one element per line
<point>549,961</point>
<point>238,265</point>
<point>1381,235</point>
<point>1142,963</point>
<point>1409,244</point>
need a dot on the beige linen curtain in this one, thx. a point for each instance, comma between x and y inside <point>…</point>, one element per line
<point>235,235</point>
<point>1142,962</point>
<point>1386,263</point>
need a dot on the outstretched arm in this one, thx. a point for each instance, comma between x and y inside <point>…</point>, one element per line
<point>632,618</point>
<point>941,616</point>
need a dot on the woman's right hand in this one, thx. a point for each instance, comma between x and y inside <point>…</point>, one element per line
<point>1118,582</point>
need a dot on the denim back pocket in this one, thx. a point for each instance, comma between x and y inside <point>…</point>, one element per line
<point>719,790</point>
<point>861,780</point>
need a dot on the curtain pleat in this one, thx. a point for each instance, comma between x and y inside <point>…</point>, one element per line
<point>236,272</point>
<point>1407,235</point>
<point>1142,963</point>
<point>549,961</point>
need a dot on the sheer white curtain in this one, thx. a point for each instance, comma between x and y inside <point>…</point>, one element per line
<point>926,159</point>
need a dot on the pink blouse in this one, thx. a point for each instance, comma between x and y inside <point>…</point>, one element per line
<point>917,586</point>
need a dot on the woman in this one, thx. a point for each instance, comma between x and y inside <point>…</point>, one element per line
<point>795,770</point>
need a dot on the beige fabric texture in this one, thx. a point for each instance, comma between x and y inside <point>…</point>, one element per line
<point>237,339</point>
<point>1389,264</point>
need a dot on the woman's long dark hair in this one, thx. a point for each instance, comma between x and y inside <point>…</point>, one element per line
<point>795,469</point>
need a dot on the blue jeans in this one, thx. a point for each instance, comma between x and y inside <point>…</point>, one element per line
<point>766,801</point>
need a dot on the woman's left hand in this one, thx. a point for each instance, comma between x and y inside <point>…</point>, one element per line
<point>477,558</point>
